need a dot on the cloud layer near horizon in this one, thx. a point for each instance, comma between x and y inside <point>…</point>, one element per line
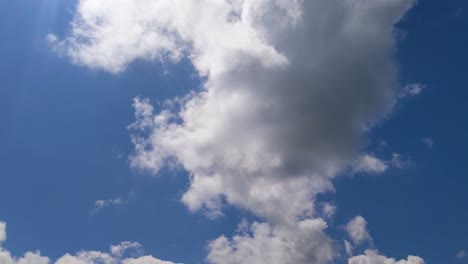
<point>292,87</point>
<point>115,256</point>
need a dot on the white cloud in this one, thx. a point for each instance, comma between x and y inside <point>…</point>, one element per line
<point>357,230</point>
<point>265,244</point>
<point>28,258</point>
<point>373,257</point>
<point>370,164</point>
<point>292,88</point>
<point>119,250</point>
<point>412,90</point>
<point>328,210</point>
<point>101,204</point>
<point>116,255</point>
<point>145,260</point>
<point>2,232</point>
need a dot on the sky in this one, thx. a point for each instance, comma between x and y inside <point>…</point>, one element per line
<point>233,131</point>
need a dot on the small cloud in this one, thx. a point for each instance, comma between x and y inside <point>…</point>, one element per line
<point>328,210</point>
<point>462,254</point>
<point>428,142</point>
<point>412,89</point>
<point>370,164</point>
<point>51,38</point>
<point>101,204</point>
<point>357,230</point>
<point>2,232</point>
<point>119,250</point>
<point>400,161</point>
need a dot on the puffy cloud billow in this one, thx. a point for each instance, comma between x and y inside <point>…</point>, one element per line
<point>115,256</point>
<point>291,89</point>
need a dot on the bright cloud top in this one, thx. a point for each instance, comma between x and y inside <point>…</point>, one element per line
<point>292,87</point>
<point>372,257</point>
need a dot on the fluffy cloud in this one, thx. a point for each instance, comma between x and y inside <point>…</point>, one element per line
<point>263,243</point>
<point>28,258</point>
<point>357,230</point>
<point>116,255</point>
<point>372,257</point>
<point>292,87</point>
<point>270,136</point>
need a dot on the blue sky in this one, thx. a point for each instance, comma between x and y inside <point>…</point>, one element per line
<point>65,144</point>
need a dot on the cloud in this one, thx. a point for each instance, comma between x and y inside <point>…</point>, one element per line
<point>462,254</point>
<point>292,89</point>
<point>280,127</point>
<point>328,210</point>
<point>28,258</point>
<point>373,257</point>
<point>400,161</point>
<point>116,255</point>
<point>429,142</point>
<point>357,230</point>
<point>101,204</point>
<point>263,243</point>
<point>2,232</point>
<point>348,248</point>
<point>412,90</point>
<point>370,164</point>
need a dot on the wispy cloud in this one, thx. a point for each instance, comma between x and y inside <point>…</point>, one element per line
<point>428,142</point>
<point>412,90</point>
<point>101,204</point>
<point>462,254</point>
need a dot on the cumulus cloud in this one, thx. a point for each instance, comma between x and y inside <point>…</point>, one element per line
<point>115,256</point>
<point>263,243</point>
<point>373,257</point>
<point>357,230</point>
<point>28,258</point>
<point>292,88</point>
